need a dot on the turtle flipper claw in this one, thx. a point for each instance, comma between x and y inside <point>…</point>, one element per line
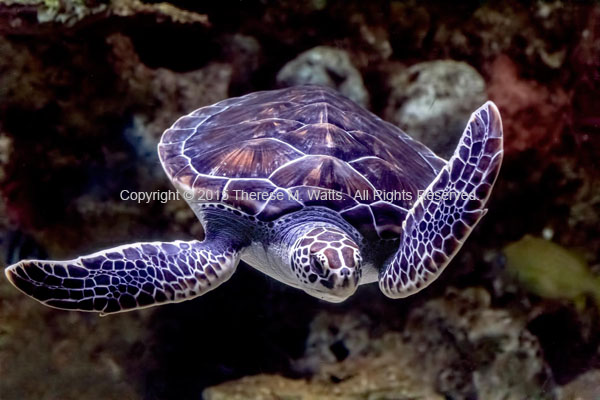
<point>126,277</point>
<point>444,215</point>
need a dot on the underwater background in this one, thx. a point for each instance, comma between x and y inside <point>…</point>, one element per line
<point>87,88</point>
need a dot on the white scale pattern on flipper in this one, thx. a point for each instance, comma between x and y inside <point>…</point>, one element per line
<point>434,230</point>
<point>126,277</point>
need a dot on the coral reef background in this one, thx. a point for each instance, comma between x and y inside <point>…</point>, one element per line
<point>86,89</point>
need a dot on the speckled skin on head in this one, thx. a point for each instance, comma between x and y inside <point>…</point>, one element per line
<point>326,261</point>
<point>292,148</point>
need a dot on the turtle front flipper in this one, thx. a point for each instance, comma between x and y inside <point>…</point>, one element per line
<point>126,277</point>
<point>444,215</point>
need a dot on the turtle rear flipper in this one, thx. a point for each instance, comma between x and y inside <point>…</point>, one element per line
<point>126,277</point>
<point>444,215</point>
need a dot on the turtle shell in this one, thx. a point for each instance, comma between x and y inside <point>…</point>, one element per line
<point>271,153</point>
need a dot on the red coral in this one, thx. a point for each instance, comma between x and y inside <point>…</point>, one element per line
<point>534,116</point>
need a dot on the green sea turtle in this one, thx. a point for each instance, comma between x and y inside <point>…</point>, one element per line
<point>302,184</point>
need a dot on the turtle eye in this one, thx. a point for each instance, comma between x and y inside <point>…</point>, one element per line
<point>317,266</point>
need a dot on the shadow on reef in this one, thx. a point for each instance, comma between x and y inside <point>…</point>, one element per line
<point>86,89</point>
<point>253,325</point>
<point>250,325</point>
<point>568,349</point>
<point>242,328</point>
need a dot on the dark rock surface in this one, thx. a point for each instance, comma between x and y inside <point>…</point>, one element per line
<point>86,88</point>
<point>457,345</point>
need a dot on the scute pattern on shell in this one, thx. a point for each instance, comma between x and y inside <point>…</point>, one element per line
<point>300,140</point>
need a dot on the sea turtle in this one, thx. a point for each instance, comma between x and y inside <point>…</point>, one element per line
<point>302,184</point>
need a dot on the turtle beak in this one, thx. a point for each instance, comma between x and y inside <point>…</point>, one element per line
<point>337,287</point>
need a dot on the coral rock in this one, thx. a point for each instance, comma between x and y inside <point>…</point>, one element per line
<point>325,66</point>
<point>533,115</point>
<point>432,101</point>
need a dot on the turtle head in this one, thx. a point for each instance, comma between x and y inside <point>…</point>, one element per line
<point>327,263</point>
